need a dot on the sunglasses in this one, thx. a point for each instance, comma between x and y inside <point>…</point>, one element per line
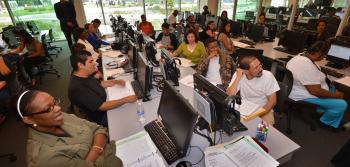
<point>56,101</point>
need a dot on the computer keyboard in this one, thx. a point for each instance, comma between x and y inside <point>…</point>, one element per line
<point>285,50</point>
<point>137,89</point>
<point>331,72</point>
<point>246,41</point>
<point>158,134</point>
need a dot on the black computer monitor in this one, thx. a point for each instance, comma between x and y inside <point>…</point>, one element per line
<point>293,40</point>
<point>272,32</point>
<point>170,70</point>
<point>236,28</point>
<point>178,117</point>
<point>144,75</point>
<point>218,97</point>
<point>339,55</point>
<point>9,36</point>
<point>132,53</point>
<point>255,32</point>
<point>32,27</point>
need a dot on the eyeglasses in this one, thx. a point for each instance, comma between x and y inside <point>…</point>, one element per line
<point>56,101</point>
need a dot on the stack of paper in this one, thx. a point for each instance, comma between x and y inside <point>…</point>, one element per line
<point>117,92</point>
<point>138,150</point>
<point>185,62</point>
<point>111,53</point>
<point>241,152</point>
<point>113,72</point>
<point>240,44</point>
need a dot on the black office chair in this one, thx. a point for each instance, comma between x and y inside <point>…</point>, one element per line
<point>50,42</point>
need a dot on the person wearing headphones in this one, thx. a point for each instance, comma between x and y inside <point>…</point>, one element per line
<point>255,85</point>
<point>88,94</point>
<point>58,139</point>
<point>216,66</point>
<point>310,85</point>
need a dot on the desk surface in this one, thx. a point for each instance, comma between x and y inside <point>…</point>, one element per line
<point>123,122</point>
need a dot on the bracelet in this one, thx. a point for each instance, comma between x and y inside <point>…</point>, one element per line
<point>98,147</point>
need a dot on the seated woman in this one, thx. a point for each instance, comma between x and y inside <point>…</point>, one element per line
<point>321,31</point>
<point>88,94</point>
<point>59,139</point>
<point>167,40</point>
<point>92,37</point>
<point>310,85</point>
<point>191,49</point>
<point>35,54</point>
<point>208,32</point>
<point>226,44</point>
<point>217,67</point>
<point>80,36</point>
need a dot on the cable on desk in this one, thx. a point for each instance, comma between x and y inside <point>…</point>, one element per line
<point>200,151</point>
<point>207,137</point>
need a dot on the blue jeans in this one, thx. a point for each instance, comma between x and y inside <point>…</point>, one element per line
<point>332,109</point>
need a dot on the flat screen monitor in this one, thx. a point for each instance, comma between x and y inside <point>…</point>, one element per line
<point>170,70</point>
<point>256,32</point>
<point>144,75</point>
<point>293,40</point>
<point>217,95</point>
<point>178,117</point>
<point>236,28</point>
<point>132,53</point>
<point>32,27</point>
<point>9,36</point>
<point>339,56</point>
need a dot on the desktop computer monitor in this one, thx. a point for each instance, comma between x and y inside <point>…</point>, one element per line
<point>218,97</point>
<point>132,53</point>
<point>338,56</point>
<point>178,117</point>
<point>9,36</point>
<point>144,75</point>
<point>170,70</point>
<point>293,40</point>
<point>255,32</point>
<point>32,27</point>
<point>236,28</point>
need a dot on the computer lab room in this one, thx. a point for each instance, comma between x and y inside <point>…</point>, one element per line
<point>179,83</point>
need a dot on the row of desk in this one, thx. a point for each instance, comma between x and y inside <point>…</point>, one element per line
<point>123,121</point>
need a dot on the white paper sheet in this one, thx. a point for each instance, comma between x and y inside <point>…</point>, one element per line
<point>344,81</point>
<point>188,81</point>
<point>112,53</point>
<point>217,158</point>
<point>114,72</point>
<point>247,107</point>
<point>240,44</point>
<point>185,62</point>
<point>117,92</point>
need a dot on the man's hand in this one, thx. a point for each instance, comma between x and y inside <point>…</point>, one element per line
<point>130,99</point>
<point>212,55</point>
<point>239,72</point>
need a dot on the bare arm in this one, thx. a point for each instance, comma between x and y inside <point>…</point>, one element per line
<point>19,49</point>
<point>99,141</point>
<point>271,102</point>
<point>38,50</point>
<point>110,83</point>
<point>108,105</point>
<point>232,89</point>
<point>227,45</point>
<point>316,90</point>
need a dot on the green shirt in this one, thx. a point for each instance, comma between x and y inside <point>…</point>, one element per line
<point>45,149</point>
<point>194,56</point>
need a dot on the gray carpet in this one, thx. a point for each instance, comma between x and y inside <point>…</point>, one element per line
<point>317,147</point>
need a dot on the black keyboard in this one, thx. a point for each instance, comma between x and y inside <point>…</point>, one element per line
<point>137,89</point>
<point>331,72</point>
<point>285,50</point>
<point>248,42</point>
<point>159,136</point>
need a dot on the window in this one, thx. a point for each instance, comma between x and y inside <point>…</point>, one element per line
<point>189,5</point>
<point>4,16</point>
<point>93,10</point>
<point>41,12</point>
<point>246,9</point>
<point>277,3</point>
<point>155,12</point>
<point>228,6</point>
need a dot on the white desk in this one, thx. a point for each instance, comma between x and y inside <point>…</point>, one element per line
<point>123,122</point>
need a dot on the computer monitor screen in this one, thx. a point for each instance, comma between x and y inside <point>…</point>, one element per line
<point>132,53</point>
<point>32,27</point>
<point>144,74</point>
<point>236,28</point>
<point>171,72</point>
<point>293,40</point>
<point>217,95</point>
<point>178,117</point>
<point>256,32</point>
<point>9,37</point>
<point>339,55</point>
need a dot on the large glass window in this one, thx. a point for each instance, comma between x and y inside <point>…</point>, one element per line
<point>246,9</point>
<point>155,12</point>
<point>5,19</point>
<point>41,12</point>
<point>189,5</point>
<point>228,6</point>
<point>93,10</point>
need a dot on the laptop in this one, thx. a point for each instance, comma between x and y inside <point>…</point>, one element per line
<point>172,131</point>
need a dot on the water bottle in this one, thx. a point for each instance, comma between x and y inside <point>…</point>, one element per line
<point>141,112</point>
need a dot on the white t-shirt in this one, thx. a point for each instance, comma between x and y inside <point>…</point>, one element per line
<point>89,48</point>
<point>213,74</point>
<point>305,72</point>
<point>257,89</point>
<point>171,19</point>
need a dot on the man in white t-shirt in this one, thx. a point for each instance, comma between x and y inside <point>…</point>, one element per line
<point>172,20</point>
<point>310,85</point>
<point>255,85</point>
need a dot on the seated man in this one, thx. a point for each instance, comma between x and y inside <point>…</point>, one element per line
<point>167,40</point>
<point>255,85</point>
<point>58,139</point>
<point>216,66</point>
<point>310,85</point>
<point>96,24</point>
<point>87,93</point>
<point>146,27</point>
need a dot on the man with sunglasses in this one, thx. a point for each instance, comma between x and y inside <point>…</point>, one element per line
<point>310,85</point>
<point>255,85</point>
<point>58,139</point>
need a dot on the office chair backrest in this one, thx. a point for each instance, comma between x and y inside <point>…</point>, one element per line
<point>282,96</point>
<point>44,44</point>
<point>51,35</point>
<point>282,74</point>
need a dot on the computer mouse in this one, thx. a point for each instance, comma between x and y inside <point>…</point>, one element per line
<point>184,164</point>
